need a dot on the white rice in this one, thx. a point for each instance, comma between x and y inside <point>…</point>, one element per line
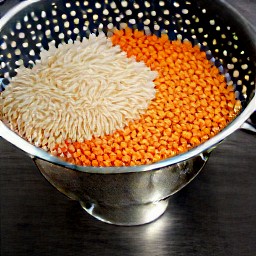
<point>76,91</point>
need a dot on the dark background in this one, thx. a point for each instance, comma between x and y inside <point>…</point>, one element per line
<point>214,215</point>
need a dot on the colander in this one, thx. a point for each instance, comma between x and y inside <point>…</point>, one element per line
<point>140,194</point>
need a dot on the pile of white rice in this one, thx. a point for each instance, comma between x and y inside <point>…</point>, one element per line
<point>76,91</point>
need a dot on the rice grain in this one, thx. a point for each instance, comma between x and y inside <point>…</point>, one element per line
<point>77,90</point>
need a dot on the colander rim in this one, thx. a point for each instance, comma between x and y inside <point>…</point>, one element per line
<point>39,153</point>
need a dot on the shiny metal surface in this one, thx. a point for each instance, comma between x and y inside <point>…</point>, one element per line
<point>123,198</point>
<point>10,136</point>
<point>249,127</point>
<point>214,215</point>
<point>250,124</point>
<point>126,195</point>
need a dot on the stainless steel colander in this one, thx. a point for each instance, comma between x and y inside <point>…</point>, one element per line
<point>130,195</point>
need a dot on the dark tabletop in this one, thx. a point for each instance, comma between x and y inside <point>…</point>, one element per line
<point>213,215</point>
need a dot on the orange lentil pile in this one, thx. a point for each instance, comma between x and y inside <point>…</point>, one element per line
<point>193,103</point>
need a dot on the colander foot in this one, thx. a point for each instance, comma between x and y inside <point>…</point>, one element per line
<point>130,215</point>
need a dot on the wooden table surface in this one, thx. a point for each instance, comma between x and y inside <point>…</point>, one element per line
<point>213,215</point>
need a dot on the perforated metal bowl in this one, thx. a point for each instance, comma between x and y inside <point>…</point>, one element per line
<point>130,195</point>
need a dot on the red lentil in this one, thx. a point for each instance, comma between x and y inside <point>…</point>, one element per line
<point>192,104</point>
